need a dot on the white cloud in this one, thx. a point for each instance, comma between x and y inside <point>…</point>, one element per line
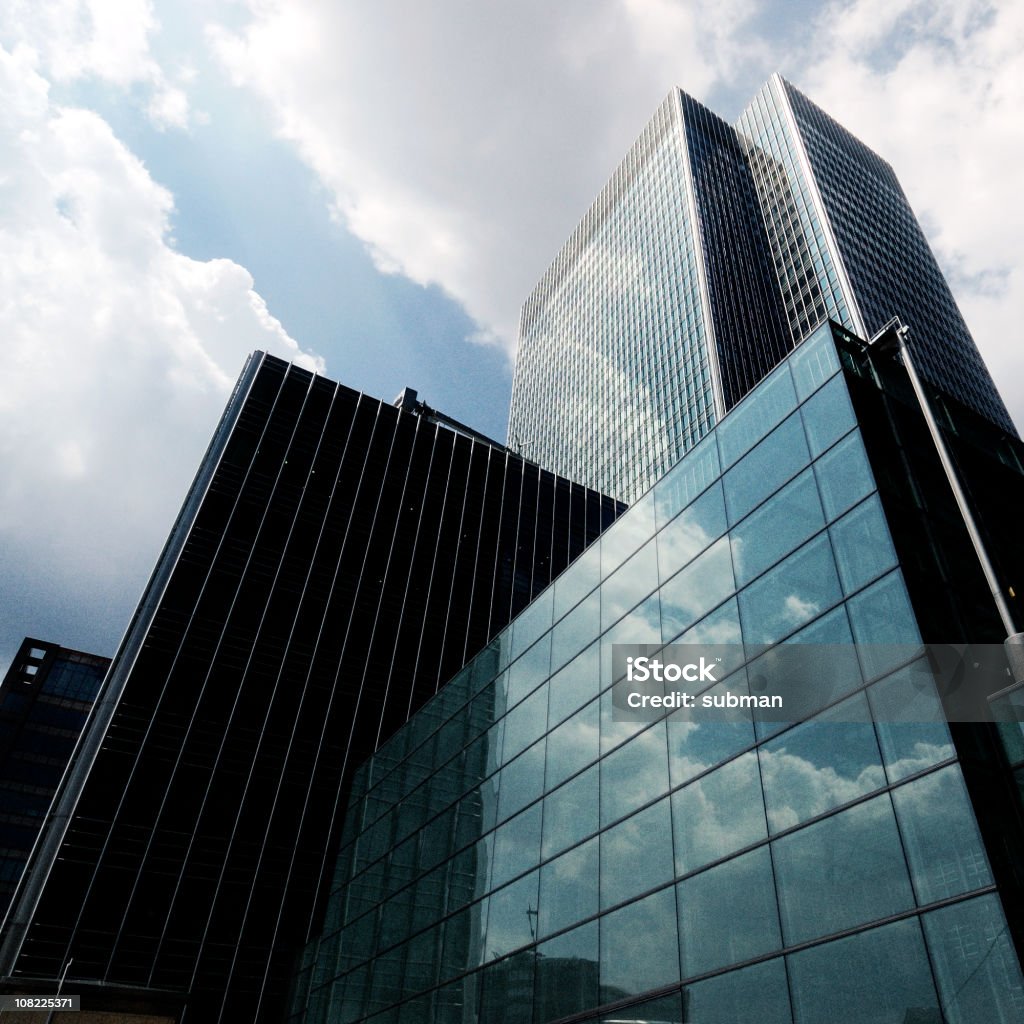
<point>799,789</point>
<point>937,89</point>
<point>796,609</point>
<point>119,353</point>
<point>463,142</point>
<point>104,40</point>
<point>168,107</point>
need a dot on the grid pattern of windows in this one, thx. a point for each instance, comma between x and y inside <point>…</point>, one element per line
<point>805,264</point>
<point>749,332</point>
<point>708,255</point>
<point>336,558</point>
<point>659,313</point>
<point>516,854</point>
<point>613,381</point>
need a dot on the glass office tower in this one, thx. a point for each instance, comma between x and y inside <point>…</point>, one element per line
<point>45,699</point>
<point>520,853</point>
<point>709,254</point>
<point>657,314</point>
<point>336,559</point>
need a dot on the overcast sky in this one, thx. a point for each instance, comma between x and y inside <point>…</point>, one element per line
<point>372,190</point>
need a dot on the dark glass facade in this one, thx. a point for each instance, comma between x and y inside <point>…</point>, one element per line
<point>519,853</point>
<point>749,332</point>
<point>336,558</point>
<point>45,699</point>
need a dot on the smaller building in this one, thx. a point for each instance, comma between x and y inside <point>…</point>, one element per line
<point>337,558</point>
<point>45,699</point>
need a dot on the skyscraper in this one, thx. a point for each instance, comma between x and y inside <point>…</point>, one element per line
<point>659,311</point>
<point>336,559</point>
<point>708,255</point>
<point>571,864</point>
<point>45,699</point>
<point>847,244</point>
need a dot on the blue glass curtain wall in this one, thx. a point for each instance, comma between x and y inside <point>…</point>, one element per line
<point>517,854</point>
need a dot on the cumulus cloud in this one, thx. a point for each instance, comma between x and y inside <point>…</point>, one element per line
<point>800,789</point>
<point>463,142</point>
<point>719,814</point>
<point>102,40</point>
<point>936,88</point>
<point>119,353</point>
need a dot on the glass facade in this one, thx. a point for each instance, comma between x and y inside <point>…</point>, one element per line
<point>518,853</point>
<point>613,380</point>
<point>336,559</point>
<point>749,333</point>
<point>805,260</point>
<point>657,315</point>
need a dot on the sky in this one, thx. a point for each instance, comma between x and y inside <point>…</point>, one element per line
<point>372,190</point>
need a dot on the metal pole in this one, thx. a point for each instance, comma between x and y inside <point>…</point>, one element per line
<point>900,332</point>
